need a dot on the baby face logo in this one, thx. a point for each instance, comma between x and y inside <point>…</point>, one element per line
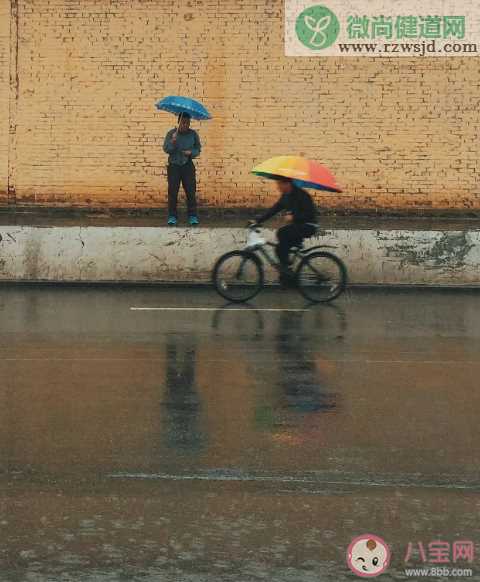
<point>368,556</point>
<point>317,27</point>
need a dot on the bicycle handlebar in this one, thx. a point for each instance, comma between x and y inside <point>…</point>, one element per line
<point>252,225</point>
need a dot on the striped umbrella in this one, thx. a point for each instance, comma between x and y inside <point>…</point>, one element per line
<point>304,173</point>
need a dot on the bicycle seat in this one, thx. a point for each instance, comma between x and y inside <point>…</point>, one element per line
<point>296,248</point>
<point>316,226</point>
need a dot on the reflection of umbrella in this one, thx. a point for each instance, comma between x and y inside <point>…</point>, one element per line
<point>179,105</point>
<point>304,173</point>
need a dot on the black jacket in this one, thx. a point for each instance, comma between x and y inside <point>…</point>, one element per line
<point>297,202</point>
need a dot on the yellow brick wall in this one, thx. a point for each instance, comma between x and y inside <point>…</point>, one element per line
<point>398,133</point>
<point>5,84</point>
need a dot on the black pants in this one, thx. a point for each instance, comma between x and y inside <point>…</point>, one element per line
<point>186,176</point>
<point>289,236</point>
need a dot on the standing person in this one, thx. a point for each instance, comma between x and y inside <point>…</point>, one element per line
<point>301,217</point>
<point>182,145</point>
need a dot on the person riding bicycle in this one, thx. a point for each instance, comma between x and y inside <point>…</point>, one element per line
<point>301,216</point>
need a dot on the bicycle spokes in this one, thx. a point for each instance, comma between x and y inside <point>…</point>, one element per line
<point>238,276</point>
<point>321,277</point>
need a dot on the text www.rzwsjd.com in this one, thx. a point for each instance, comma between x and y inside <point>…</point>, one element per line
<point>415,48</point>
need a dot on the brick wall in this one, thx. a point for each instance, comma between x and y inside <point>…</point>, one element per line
<point>5,86</point>
<point>398,133</point>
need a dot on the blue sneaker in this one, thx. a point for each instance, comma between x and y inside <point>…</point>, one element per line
<point>172,221</point>
<point>193,220</point>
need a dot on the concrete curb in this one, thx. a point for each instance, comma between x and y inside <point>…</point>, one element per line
<point>185,255</point>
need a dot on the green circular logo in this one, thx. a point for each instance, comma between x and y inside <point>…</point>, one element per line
<point>317,27</point>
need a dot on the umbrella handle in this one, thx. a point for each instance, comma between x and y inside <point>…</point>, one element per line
<point>180,121</point>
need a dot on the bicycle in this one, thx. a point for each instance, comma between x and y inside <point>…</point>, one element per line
<point>239,275</point>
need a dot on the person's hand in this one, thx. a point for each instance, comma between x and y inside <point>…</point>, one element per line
<point>174,137</point>
<point>187,152</point>
<point>289,217</point>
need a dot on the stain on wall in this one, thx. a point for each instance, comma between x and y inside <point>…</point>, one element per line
<point>446,252</point>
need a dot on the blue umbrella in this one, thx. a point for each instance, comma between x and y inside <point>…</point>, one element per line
<point>179,105</point>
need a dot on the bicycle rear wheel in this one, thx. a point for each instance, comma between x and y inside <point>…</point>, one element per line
<point>321,277</point>
<point>238,276</point>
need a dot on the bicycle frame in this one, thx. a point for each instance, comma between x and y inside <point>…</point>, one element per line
<point>266,256</point>
<point>256,245</point>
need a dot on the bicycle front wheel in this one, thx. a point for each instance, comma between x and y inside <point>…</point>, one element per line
<point>321,277</point>
<point>238,276</point>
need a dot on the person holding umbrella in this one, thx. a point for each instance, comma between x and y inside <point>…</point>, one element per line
<point>182,144</point>
<point>292,174</point>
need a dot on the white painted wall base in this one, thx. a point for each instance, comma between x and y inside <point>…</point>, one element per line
<point>181,254</point>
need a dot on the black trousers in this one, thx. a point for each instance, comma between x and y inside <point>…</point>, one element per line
<point>184,175</point>
<point>289,236</point>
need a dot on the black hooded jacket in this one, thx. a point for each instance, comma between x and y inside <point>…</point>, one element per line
<point>298,202</point>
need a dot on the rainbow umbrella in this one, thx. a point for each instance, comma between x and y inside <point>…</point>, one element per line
<point>304,173</point>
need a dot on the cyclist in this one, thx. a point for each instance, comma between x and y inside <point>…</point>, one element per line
<point>301,216</point>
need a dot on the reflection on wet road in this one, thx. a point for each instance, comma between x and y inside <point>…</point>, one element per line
<point>181,401</point>
<point>231,443</point>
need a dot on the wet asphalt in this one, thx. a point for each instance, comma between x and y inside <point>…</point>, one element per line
<point>157,434</point>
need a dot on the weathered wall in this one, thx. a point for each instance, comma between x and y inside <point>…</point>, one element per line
<point>398,133</point>
<point>6,22</point>
<point>150,254</point>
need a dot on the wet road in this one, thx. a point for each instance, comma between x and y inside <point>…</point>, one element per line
<point>180,441</point>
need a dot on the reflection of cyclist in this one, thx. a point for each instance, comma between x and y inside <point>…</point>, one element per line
<point>182,402</point>
<point>302,383</point>
<point>301,216</point>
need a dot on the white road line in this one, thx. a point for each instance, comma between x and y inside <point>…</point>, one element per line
<point>347,481</point>
<point>227,360</point>
<point>209,309</point>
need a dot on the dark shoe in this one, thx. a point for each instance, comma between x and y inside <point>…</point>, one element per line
<point>288,279</point>
<point>172,221</point>
<point>193,220</point>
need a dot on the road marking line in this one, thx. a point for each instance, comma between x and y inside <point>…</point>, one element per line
<point>226,360</point>
<point>253,309</point>
<point>348,481</point>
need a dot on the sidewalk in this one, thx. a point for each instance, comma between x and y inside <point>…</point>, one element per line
<point>118,247</point>
<point>230,217</point>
